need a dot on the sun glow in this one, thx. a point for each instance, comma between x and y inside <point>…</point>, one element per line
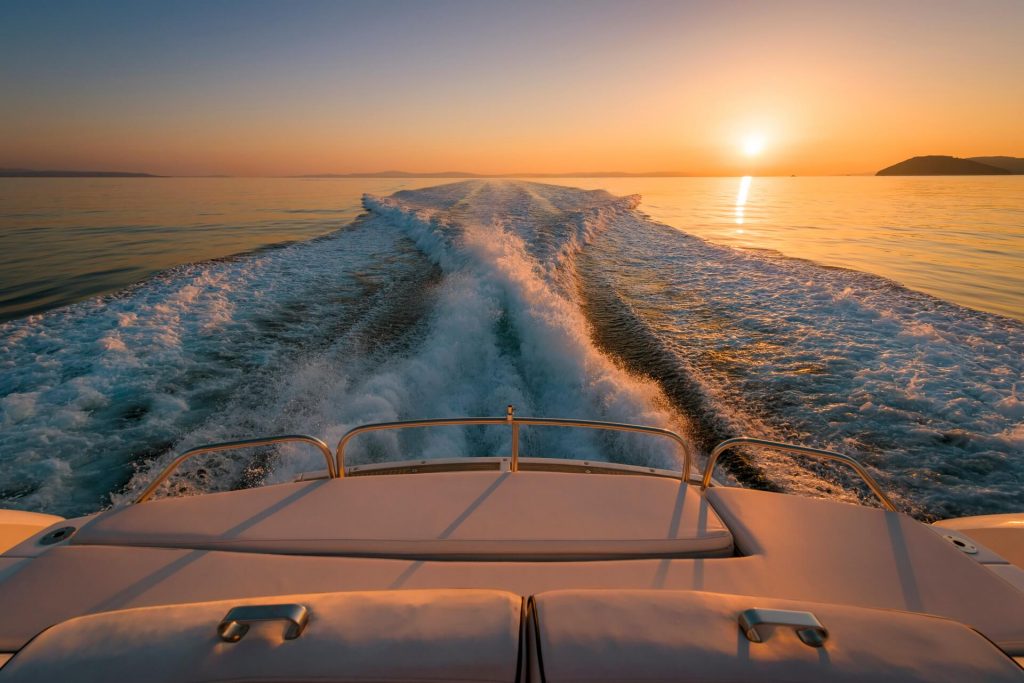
<point>753,144</point>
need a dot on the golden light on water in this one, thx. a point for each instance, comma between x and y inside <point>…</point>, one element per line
<point>741,199</point>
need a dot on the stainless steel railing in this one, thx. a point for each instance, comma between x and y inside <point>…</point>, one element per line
<point>336,461</point>
<point>797,450</point>
<point>515,423</point>
<point>234,445</point>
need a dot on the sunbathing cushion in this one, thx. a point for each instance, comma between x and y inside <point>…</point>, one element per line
<point>644,635</point>
<point>465,635</point>
<point>463,515</point>
<point>819,550</point>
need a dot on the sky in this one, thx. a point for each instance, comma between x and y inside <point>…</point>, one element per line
<point>703,88</point>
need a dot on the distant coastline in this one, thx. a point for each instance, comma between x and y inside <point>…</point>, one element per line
<point>931,165</point>
<point>33,173</point>
<point>936,164</point>
<point>464,174</point>
<point>30,173</point>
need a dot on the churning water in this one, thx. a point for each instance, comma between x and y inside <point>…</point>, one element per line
<point>459,299</point>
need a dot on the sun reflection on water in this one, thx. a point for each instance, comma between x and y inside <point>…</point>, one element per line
<point>741,199</point>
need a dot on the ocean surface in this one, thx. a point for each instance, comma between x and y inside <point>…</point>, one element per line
<point>879,317</point>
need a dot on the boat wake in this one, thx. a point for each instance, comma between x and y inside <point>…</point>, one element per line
<point>462,298</point>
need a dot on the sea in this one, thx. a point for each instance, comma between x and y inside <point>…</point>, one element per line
<point>881,317</point>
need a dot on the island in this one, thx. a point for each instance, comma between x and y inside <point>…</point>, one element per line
<point>946,165</point>
<point>1014,165</point>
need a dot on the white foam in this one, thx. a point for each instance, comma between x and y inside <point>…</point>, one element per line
<point>502,328</point>
<point>924,391</point>
<point>484,311</point>
<point>92,389</point>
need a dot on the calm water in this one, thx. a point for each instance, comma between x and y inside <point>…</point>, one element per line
<point>960,239</point>
<point>65,239</point>
<point>957,238</point>
<point>718,313</point>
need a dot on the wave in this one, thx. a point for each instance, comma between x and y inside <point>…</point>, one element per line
<point>927,393</point>
<point>94,391</point>
<point>462,298</point>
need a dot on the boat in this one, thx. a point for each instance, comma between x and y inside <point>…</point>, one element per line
<point>509,568</point>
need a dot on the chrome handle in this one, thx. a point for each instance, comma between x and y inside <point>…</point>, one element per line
<point>236,622</point>
<point>807,627</point>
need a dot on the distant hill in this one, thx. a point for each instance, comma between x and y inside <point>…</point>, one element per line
<point>1012,164</point>
<point>942,165</point>
<point>29,173</point>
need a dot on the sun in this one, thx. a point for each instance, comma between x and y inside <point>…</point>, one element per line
<point>753,144</point>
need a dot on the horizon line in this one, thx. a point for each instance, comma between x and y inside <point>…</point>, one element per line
<point>21,171</point>
<point>58,173</point>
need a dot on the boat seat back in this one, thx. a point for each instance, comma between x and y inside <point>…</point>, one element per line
<point>652,635</point>
<point>432,635</point>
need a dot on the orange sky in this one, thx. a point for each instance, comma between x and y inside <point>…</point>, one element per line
<point>308,87</point>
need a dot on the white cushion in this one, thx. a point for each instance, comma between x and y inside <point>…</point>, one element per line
<point>465,635</point>
<point>608,635</point>
<point>465,515</point>
<point>810,549</point>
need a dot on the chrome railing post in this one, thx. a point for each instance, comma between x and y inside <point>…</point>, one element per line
<point>510,416</point>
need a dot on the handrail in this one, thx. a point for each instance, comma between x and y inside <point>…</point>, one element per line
<point>232,445</point>
<point>514,422</point>
<point>798,450</point>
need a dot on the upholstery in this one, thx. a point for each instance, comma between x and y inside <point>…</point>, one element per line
<point>795,548</point>
<point>607,635</point>
<point>463,635</point>
<point>832,552</point>
<point>471,515</point>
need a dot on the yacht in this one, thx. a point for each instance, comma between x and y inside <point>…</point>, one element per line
<point>509,569</point>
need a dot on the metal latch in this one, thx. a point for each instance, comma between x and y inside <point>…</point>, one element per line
<point>807,627</point>
<point>236,622</point>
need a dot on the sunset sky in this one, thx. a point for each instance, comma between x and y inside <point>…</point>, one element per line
<point>278,88</point>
